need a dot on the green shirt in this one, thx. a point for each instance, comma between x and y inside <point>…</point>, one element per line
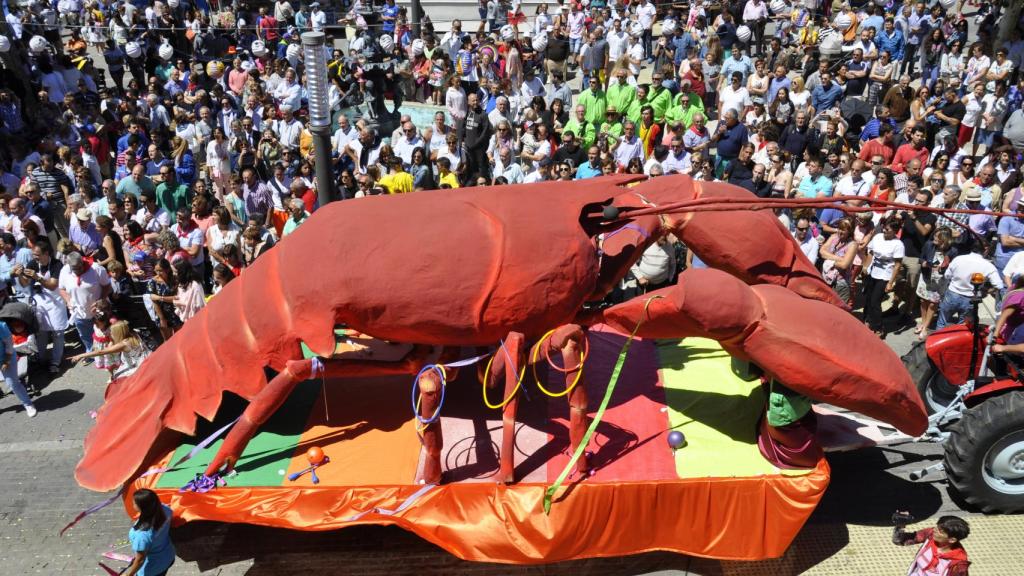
<point>128,185</point>
<point>684,115</point>
<point>621,97</point>
<point>660,100</point>
<point>586,135</point>
<point>614,131</point>
<point>594,103</point>
<point>635,110</point>
<point>172,198</point>
<point>292,224</point>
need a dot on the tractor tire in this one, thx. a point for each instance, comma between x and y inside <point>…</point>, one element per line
<point>985,454</point>
<point>936,392</point>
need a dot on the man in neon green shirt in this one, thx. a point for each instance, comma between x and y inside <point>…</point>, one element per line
<point>612,126</point>
<point>639,102</point>
<point>620,94</point>
<point>584,130</point>
<point>658,97</point>
<point>594,100</point>
<point>686,105</point>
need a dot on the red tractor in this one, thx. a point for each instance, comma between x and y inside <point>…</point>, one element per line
<point>976,406</point>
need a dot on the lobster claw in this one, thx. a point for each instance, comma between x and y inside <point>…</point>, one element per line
<point>813,347</point>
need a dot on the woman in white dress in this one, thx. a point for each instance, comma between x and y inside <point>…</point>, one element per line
<point>223,232</point>
<point>218,161</point>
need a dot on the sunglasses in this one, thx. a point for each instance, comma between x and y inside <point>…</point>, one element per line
<point>804,229</point>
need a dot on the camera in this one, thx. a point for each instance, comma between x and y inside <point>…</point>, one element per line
<point>901,518</point>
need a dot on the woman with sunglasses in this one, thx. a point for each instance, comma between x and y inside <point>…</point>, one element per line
<point>780,175</point>
<point>938,167</point>
<point>964,175</point>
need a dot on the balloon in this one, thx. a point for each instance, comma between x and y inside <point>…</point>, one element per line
<point>166,51</point>
<point>676,440</point>
<point>38,44</point>
<point>173,3</point>
<point>947,4</point>
<point>258,48</point>
<point>5,44</point>
<point>636,29</point>
<point>315,455</point>
<point>540,42</point>
<point>779,6</point>
<point>387,43</point>
<point>743,32</point>
<point>417,47</point>
<point>215,69</point>
<point>668,27</point>
<point>507,33</point>
<point>133,50</point>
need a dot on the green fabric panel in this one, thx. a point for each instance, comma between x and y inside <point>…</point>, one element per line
<point>716,404</point>
<point>268,452</point>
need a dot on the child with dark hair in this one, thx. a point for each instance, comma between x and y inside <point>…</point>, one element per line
<point>941,553</point>
<point>150,536</point>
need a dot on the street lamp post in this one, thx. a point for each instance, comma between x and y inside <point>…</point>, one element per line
<point>319,112</point>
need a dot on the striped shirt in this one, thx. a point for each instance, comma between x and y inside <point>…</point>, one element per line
<point>50,183</point>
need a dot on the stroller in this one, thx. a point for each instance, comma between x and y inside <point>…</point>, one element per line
<point>21,319</point>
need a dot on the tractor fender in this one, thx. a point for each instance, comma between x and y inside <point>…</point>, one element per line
<point>950,350</point>
<point>987,391</point>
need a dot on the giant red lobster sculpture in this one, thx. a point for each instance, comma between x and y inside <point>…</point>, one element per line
<point>472,267</point>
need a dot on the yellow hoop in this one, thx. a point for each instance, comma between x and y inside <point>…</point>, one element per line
<point>487,375</point>
<point>578,369</point>
<point>547,355</point>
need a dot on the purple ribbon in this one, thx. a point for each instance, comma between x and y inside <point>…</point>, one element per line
<point>202,483</point>
<point>385,512</point>
<point>198,448</point>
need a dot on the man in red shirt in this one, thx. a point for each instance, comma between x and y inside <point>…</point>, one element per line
<point>881,146</point>
<point>913,149</point>
<point>266,28</point>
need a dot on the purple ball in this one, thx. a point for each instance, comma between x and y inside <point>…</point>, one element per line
<point>676,440</point>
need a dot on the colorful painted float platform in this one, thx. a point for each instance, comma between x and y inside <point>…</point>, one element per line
<point>714,497</point>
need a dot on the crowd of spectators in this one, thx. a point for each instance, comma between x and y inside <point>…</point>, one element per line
<point>153,150</point>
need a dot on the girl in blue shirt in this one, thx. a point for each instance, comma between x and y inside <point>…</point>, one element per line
<point>150,537</point>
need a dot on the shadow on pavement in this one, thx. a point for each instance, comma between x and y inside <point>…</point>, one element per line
<point>57,399</point>
<point>369,550</point>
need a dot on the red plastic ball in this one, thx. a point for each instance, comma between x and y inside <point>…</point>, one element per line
<point>315,455</point>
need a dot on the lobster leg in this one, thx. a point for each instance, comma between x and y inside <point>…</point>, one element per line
<point>433,440</point>
<point>568,340</point>
<point>514,352</point>
<point>270,398</point>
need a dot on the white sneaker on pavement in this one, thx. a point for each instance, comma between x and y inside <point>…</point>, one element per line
<point>31,411</point>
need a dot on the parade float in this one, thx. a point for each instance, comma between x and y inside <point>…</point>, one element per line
<point>444,362</point>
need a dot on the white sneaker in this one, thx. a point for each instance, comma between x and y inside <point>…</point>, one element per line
<point>31,411</point>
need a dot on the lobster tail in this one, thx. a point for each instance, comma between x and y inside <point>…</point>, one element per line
<point>223,348</point>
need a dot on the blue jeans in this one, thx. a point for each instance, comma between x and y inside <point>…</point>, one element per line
<point>11,378</point>
<point>930,75</point>
<point>952,306</point>
<point>84,327</point>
